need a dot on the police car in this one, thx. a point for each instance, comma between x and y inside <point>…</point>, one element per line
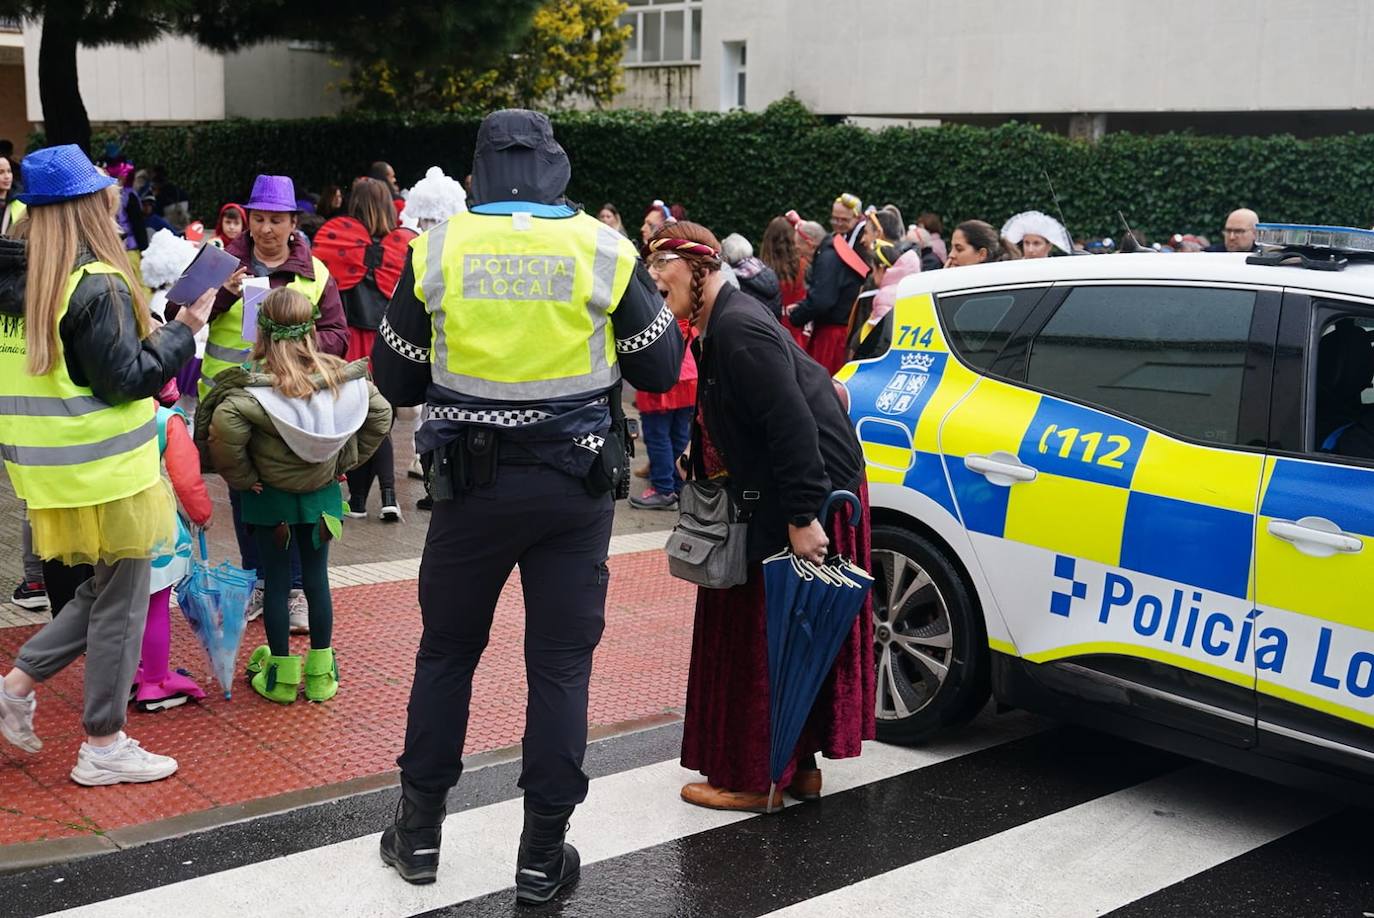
<point>1134,491</point>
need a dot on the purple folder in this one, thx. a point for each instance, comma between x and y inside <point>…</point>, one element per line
<point>211,267</point>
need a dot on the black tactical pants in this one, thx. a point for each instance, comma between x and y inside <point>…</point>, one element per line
<point>545,522</point>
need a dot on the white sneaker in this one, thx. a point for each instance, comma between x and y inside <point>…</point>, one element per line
<point>299,611</point>
<point>126,762</point>
<point>16,721</point>
<point>254,603</point>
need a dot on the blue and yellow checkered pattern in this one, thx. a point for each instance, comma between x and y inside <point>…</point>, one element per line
<point>1107,490</point>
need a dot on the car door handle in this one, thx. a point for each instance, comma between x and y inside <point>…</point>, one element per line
<point>1315,536</point>
<point>1000,468</point>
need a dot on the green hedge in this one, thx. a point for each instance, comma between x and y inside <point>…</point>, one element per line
<point>735,171</point>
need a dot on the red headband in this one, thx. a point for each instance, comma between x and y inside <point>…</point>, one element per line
<point>684,247</point>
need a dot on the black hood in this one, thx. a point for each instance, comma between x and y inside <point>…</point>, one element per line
<point>517,159</point>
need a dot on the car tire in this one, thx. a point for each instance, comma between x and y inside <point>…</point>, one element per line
<point>938,624</point>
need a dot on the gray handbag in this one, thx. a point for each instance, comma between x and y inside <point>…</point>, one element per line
<point>708,546</point>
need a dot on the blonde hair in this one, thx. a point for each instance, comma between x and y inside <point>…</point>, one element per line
<point>56,234</point>
<point>291,361</point>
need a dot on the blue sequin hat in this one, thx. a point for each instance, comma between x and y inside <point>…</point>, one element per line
<point>56,174</point>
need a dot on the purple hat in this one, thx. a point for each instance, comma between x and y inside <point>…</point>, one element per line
<point>273,192</point>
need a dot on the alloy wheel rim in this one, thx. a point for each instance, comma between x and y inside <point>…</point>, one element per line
<point>913,640</point>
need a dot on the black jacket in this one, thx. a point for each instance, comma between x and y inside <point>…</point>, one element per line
<point>761,282</point>
<point>830,291</point>
<point>775,418</point>
<point>100,341</point>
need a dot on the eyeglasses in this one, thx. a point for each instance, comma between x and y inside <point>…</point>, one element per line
<point>659,260</point>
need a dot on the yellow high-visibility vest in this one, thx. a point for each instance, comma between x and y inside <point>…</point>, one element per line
<point>226,347</point>
<point>521,305</point>
<point>63,446</point>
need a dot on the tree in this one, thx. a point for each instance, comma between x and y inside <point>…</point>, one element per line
<point>419,32</point>
<point>572,52</point>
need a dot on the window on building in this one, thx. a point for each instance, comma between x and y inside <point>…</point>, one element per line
<point>733,84</point>
<point>663,32</point>
<point>1172,357</point>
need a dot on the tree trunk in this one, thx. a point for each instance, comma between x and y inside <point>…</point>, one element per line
<point>64,114</point>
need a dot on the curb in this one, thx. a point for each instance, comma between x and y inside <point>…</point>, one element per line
<point>29,855</point>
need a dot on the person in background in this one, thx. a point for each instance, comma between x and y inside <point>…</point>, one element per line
<point>657,215</point>
<point>382,172</point>
<point>837,274</point>
<point>232,221</point>
<point>271,248</point>
<point>888,221</point>
<point>11,208</point>
<point>973,243</point>
<point>32,591</point>
<point>780,251</point>
<point>1036,235</point>
<point>932,224</point>
<point>153,222</point>
<point>432,200</point>
<point>609,215</point>
<point>665,424</point>
<point>1238,235</point>
<point>367,265</point>
<point>331,202</point>
<point>129,213</point>
<point>167,256</point>
<point>157,686</point>
<point>281,431</point>
<point>772,421</point>
<point>74,312</point>
<point>869,336</point>
<point>755,278</point>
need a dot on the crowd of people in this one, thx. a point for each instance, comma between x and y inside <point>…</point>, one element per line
<point>115,398</point>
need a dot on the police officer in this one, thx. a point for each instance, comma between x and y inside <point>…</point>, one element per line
<point>515,322</point>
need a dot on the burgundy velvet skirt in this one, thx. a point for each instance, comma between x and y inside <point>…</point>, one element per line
<point>725,733</point>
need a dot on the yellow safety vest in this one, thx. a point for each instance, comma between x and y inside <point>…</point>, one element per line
<point>226,347</point>
<point>62,446</point>
<point>521,305</point>
<point>15,211</point>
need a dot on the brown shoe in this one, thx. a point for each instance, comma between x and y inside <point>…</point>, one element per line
<point>806,784</point>
<point>717,798</point>
<point>642,470</point>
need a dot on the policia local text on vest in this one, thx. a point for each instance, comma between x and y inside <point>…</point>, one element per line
<point>516,322</point>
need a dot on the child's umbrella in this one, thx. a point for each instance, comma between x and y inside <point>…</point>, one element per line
<point>215,603</point>
<point>811,609</point>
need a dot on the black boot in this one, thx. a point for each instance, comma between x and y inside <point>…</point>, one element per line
<point>391,510</point>
<point>546,863</point>
<point>411,843</point>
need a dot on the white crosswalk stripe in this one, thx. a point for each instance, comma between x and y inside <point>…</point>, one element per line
<point>1093,855</point>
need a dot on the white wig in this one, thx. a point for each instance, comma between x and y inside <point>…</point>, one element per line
<point>165,258</point>
<point>435,198</point>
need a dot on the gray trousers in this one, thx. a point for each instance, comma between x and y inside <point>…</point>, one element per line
<point>104,620</point>
<point>33,565</point>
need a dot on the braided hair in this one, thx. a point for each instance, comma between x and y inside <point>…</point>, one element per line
<point>698,247</point>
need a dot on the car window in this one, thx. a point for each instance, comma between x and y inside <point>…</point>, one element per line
<point>1343,394</point>
<point>979,324</point>
<point>1172,357</point>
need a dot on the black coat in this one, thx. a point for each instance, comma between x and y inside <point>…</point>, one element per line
<point>774,416</point>
<point>761,282</point>
<point>830,290</point>
<point>100,342</point>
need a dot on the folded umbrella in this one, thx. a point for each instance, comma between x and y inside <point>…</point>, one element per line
<point>810,610</point>
<point>215,603</point>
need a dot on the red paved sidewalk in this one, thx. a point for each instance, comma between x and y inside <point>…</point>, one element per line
<point>248,748</point>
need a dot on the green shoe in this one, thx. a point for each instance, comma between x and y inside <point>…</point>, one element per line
<point>321,675</point>
<point>279,679</point>
<point>257,660</point>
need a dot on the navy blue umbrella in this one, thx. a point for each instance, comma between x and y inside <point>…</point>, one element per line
<point>810,611</point>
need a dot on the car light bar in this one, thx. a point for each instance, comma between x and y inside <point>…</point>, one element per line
<point>1336,239</point>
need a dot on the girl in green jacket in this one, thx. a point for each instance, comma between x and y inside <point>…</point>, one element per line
<point>282,430</point>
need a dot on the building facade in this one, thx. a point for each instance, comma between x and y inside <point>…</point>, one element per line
<point>1079,66</point>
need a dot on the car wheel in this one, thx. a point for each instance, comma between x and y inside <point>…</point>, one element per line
<point>930,643</point>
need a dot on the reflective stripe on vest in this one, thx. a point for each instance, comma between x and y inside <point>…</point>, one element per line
<point>521,307</point>
<point>62,446</point>
<point>226,347</point>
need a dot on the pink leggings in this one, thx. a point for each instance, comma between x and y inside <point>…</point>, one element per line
<point>157,637</point>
